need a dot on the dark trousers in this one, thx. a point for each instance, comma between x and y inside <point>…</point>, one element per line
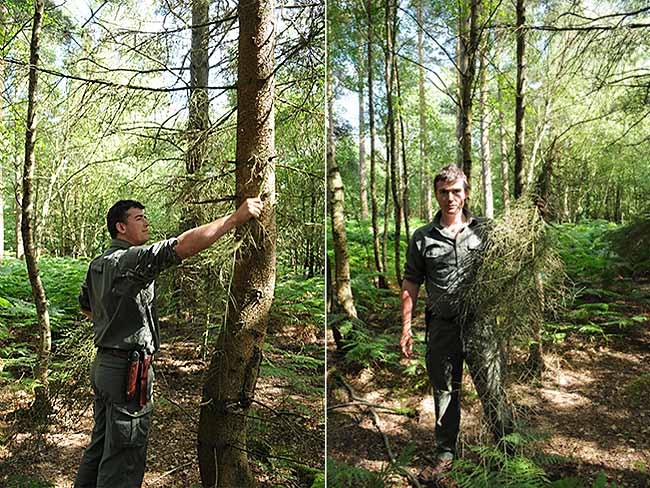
<point>448,346</point>
<point>117,452</point>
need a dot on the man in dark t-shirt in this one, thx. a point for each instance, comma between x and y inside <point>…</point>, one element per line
<point>118,296</point>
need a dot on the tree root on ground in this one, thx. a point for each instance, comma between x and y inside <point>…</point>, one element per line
<point>375,417</point>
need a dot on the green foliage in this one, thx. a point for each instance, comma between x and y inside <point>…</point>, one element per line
<point>632,241</point>
<point>365,345</point>
<point>585,250</point>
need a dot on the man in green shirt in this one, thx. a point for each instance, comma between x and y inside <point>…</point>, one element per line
<point>118,295</point>
<point>443,255</point>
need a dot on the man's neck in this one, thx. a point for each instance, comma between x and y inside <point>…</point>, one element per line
<point>455,221</point>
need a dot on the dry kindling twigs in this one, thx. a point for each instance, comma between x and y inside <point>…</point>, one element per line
<point>375,418</point>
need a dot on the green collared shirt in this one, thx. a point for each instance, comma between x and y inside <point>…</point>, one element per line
<point>444,262</point>
<point>119,291</point>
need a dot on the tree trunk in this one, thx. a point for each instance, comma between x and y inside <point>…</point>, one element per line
<point>468,35</point>
<point>336,209</point>
<point>426,205</point>
<point>387,186</point>
<point>520,107</point>
<point>198,124</point>
<point>362,139</point>
<point>505,176</point>
<point>230,380</point>
<point>406,201</point>
<point>41,406</point>
<point>486,163</point>
<point>390,19</point>
<point>381,280</point>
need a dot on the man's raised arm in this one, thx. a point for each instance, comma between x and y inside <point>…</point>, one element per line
<point>410,292</point>
<point>195,240</point>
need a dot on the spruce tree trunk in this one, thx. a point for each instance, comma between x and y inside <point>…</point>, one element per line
<point>381,281</point>
<point>520,107</point>
<point>336,208</point>
<point>426,204</point>
<point>198,123</point>
<point>486,163</point>
<point>390,19</point>
<point>363,186</point>
<point>41,406</point>
<point>230,380</point>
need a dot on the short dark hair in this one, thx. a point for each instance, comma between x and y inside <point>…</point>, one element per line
<point>449,174</point>
<point>119,213</point>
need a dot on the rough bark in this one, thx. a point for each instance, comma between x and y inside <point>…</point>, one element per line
<point>336,208</point>
<point>198,124</point>
<point>230,380</point>
<point>503,145</point>
<point>426,205</point>
<point>520,107</point>
<point>390,19</point>
<point>381,280</point>
<point>486,157</point>
<point>41,405</point>
<point>363,177</point>
<point>468,40</point>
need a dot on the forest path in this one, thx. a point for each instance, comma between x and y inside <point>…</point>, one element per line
<point>171,461</point>
<point>590,404</point>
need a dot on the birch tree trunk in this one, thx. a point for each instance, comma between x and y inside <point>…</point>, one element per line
<point>41,406</point>
<point>198,124</point>
<point>381,281</point>
<point>520,107</point>
<point>232,375</point>
<point>486,163</point>
<point>362,139</point>
<point>336,208</point>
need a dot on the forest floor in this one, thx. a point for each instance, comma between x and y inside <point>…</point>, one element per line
<point>288,418</point>
<point>589,410</point>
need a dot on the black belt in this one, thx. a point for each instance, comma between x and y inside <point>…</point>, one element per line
<point>120,353</point>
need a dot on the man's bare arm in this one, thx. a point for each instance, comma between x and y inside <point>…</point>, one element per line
<point>410,292</point>
<point>195,240</point>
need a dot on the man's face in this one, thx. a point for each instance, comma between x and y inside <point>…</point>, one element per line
<point>451,197</point>
<point>136,229</point>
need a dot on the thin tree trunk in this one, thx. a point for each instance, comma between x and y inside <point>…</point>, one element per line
<point>426,205</point>
<point>198,124</point>
<point>336,208</point>
<point>362,139</point>
<point>486,163</point>
<point>387,186</point>
<point>406,202</point>
<point>381,281</point>
<point>505,176</point>
<point>18,211</point>
<point>468,47</point>
<point>230,380</point>
<point>41,405</point>
<point>392,143</point>
<point>520,107</point>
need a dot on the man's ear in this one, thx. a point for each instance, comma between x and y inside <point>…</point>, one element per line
<point>121,227</point>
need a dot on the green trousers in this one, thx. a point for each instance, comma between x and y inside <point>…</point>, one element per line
<point>448,345</point>
<point>117,452</point>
